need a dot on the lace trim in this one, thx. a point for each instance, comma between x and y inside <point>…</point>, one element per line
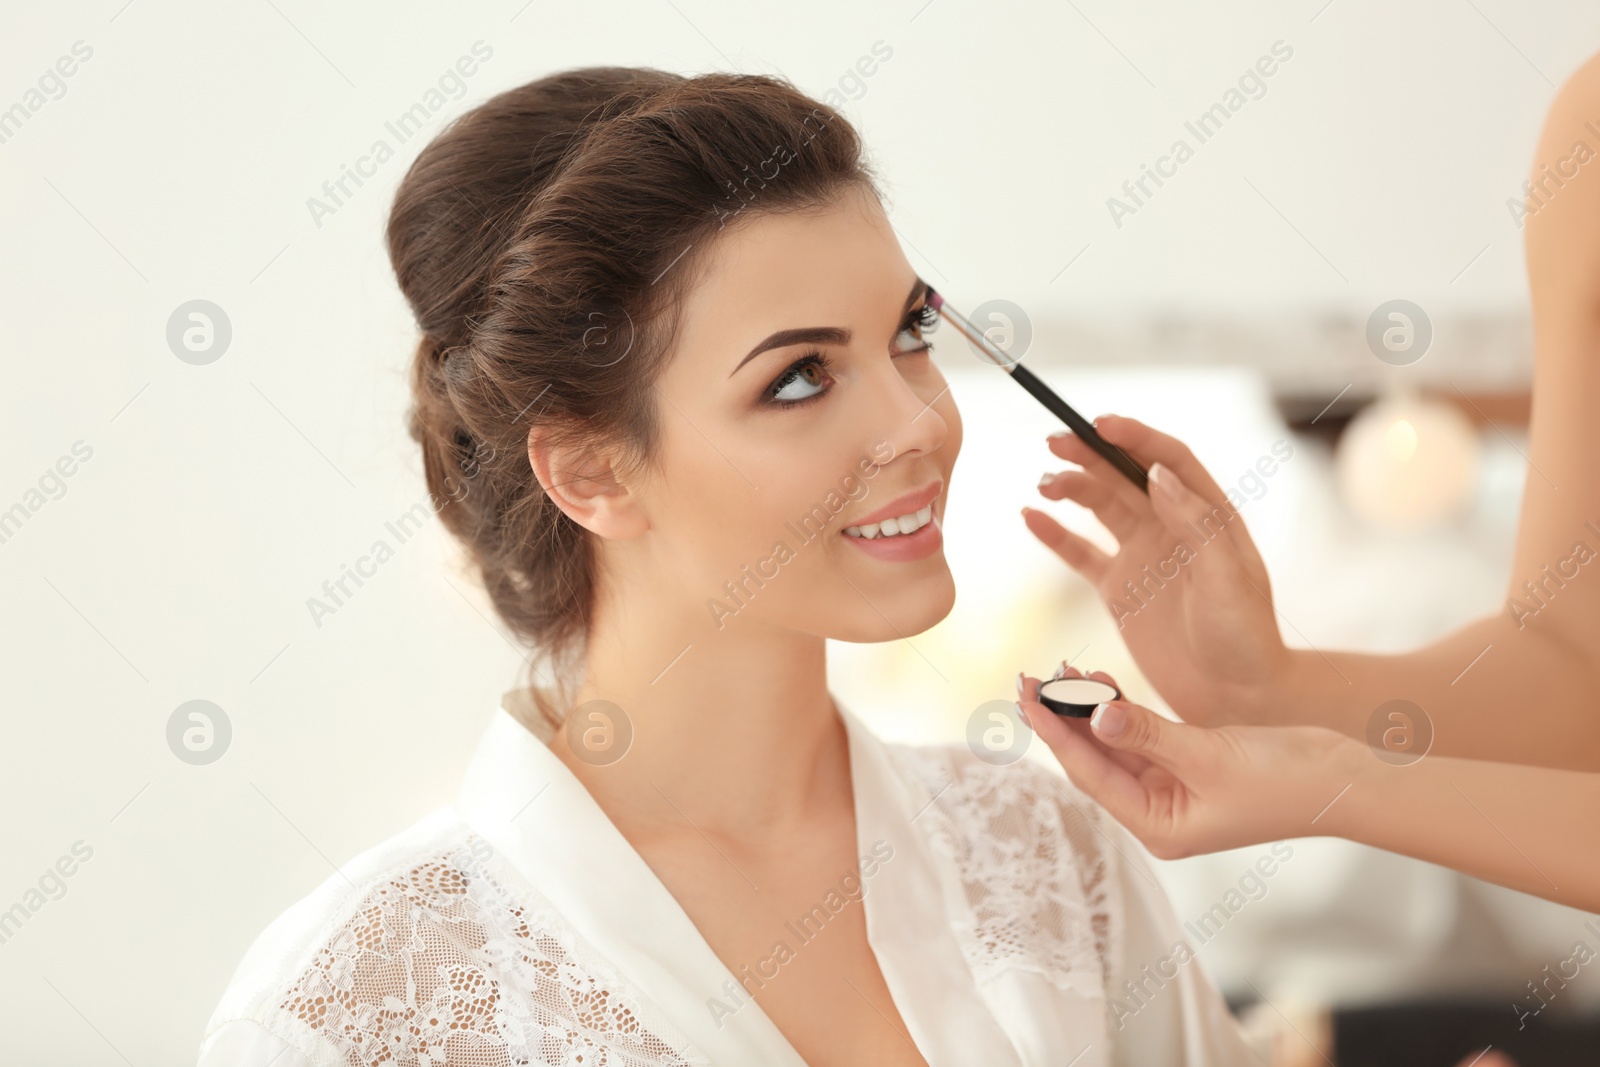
<point>1030,862</point>
<point>442,965</point>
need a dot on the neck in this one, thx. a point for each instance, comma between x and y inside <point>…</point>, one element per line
<point>734,730</point>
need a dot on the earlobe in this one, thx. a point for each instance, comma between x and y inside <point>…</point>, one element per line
<point>583,482</point>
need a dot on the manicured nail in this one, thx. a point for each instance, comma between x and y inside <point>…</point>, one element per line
<point>1059,435</point>
<point>1164,480</point>
<point>1023,715</point>
<point>1019,683</point>
<point>1061,670</point>
<point>1045,479</point>
<point>1109,721</point>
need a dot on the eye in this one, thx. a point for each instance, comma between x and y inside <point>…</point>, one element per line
<point>909,341</point>
<point>808,372</point>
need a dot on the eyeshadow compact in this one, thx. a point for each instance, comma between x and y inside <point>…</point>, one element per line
<point>1077,697</point>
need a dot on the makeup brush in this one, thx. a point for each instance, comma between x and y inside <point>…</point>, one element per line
<point>1079,425</point>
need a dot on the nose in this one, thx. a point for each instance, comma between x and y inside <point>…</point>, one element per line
<point>905,418</point>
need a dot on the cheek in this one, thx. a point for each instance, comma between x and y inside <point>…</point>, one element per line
<point>945,406</point>
<point>728,502</point>
<point>947,409</point>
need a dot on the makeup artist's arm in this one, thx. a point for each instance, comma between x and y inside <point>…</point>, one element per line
<point>1184,789</point>
<point>1209,639</point>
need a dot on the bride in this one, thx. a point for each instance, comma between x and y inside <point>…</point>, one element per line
<point>674,398</point>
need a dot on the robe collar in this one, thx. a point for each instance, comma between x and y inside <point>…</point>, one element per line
<point>537,815</point>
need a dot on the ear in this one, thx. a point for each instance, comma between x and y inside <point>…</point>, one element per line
<point>583,482</point>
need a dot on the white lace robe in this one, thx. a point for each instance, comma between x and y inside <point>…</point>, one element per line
<point>1009,919</point>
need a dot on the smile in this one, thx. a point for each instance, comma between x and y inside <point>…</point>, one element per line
<point>905,529</point>
<point>906,524</point>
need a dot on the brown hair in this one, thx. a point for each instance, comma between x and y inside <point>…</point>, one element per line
<point>542,240</point>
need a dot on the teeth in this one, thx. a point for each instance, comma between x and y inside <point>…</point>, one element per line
<point>905,524</point>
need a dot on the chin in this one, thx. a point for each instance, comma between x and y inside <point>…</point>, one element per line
<point>899,611</point>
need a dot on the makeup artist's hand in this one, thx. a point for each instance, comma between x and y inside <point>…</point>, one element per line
<point>1183,789</point>
<point>1186,584</point>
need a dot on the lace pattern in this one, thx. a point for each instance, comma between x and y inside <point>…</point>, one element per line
<point>440,963</point>
<point>1031,863</point>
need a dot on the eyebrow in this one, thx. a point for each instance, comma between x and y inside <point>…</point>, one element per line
<point>822,335</point>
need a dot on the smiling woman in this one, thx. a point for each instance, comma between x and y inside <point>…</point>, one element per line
<point>670,793</point>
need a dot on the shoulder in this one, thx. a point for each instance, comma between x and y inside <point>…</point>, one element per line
<point>422,867</point>
<point>1035,856</point>
<point>430,948</point>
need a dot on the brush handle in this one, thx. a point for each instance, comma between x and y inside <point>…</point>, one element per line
<point>1081,426</point>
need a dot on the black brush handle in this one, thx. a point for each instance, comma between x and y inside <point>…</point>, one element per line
<point>1081,426</point>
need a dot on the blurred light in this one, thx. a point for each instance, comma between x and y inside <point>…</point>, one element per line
<point>1407,462</point>
<point>1401,438</point>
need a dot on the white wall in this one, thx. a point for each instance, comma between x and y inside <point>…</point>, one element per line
<point>177,165</point>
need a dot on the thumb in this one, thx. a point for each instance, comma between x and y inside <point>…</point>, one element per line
<point>1132,728</point>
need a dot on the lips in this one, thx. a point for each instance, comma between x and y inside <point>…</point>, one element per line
<point>904,505</point>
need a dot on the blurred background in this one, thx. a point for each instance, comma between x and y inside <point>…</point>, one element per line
<point>1331,270</point>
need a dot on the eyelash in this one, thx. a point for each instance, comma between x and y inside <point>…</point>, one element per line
<point>923,318</point>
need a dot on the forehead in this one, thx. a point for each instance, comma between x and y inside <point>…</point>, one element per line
<point>838,265</point>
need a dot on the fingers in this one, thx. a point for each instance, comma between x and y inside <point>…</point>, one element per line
<point>1151,446</point>
<point>1070,447</point>
<point>1096,494</point>
<point>1128,727</point>
<point>1093,769</point>
<point>1077,552</point>
<point>1130,761</point>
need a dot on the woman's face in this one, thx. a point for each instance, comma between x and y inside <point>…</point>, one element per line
<point>773,445</point>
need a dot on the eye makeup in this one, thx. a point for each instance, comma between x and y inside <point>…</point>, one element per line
<point>793,373</point>
<point>916,320</point>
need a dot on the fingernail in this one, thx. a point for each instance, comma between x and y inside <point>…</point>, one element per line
<point>1045,479</point>
<point>1061,670</point>
<point>1059,435</point>
<point>1024,716</point>
<point>1109,721</point>
<point>1019,683</point>
<point>1165,480</point>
